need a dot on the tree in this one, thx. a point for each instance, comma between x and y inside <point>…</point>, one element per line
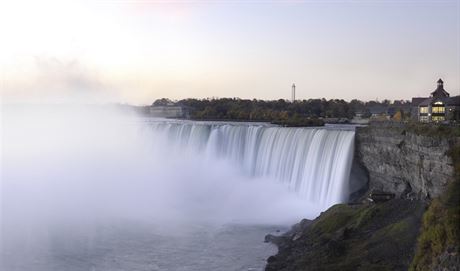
<point>162,102</point>
<point>398,116</point>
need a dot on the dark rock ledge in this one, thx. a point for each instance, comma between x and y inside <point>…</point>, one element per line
<point>352,237</point>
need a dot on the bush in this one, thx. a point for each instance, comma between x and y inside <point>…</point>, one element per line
<point>441,223</point>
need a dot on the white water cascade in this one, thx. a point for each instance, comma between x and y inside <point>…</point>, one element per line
<point>314,162</point>
<point>91,190</point>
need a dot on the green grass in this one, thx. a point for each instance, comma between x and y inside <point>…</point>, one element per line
<point>396,232</point>
<point>440,228</point>
<point>364,237</point>
<point>382,236</point>
<point>365,217</point>
<point>335,218</point>
<point>441,223</point>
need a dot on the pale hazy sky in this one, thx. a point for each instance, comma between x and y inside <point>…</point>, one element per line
<point>138,51</point>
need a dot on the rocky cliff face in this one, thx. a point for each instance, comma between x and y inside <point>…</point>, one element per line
<point>402,162</point>
<point>413,161</point>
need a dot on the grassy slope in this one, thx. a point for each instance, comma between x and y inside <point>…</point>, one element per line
<point>381,236</point>
<point>441,224</point>
<point>366,237</point>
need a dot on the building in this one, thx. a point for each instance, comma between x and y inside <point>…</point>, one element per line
<point>379,112</point>
<point>439,107</point>
<point>359,118</point>
<point>168,111</point>
<point>293,92</point>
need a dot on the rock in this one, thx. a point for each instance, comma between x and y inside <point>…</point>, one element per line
<point>404,163</point>
<point>365,237</point>
<point>449,260</point>
<point>409,168</point>
<point>271,259</point>
<point>269,238</point>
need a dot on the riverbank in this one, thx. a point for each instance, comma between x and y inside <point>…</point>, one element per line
<point>419,230</point>
<point>353,237</point>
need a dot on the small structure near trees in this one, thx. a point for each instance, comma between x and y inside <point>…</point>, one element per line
<point>380,196</point>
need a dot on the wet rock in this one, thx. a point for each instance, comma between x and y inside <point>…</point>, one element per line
<point>269,238</point>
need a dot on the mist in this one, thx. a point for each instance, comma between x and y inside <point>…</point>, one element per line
<point>72,168</point>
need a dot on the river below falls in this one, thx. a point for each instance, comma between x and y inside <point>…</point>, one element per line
<point>131,246</point>
<point>83,190</point>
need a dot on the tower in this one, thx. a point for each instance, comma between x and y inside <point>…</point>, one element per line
<point>440,83</point>
<point>293,92</point>
<point>440,92</point>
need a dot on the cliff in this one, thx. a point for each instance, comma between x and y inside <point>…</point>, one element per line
<point>419,230</point>
<point>410,162</point>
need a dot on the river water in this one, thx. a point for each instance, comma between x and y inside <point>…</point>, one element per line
<point>146,247</point>
<point>85,191</point>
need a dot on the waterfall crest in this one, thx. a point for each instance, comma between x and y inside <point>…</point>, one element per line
<point>313,162</point>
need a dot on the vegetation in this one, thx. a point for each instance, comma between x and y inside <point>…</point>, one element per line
<point>440,230</point>
<point>433,129</point>
<point>394,235</point>
<point>298,121</point>
<point>363,237</point>
<point>441,224</point>
<point>299,113</point>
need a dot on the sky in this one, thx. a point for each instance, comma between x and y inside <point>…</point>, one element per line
<point>138,51</point>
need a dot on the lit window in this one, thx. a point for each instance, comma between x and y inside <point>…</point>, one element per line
<point>438,109</point>
<point>423,109</point>
<point>438,103</point>
<point>424,118</point>
<point>438,118</point>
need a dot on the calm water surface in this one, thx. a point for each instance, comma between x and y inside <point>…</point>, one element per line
<point>147,248</point>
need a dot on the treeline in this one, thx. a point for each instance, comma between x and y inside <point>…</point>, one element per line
<point>298,113</point>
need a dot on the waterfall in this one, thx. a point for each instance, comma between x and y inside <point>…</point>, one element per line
<point>313,162</point>
<point>79,183</point>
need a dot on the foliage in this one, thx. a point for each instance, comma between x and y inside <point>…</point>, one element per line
<point>433,129</point>
<point>297,121</point>
<point>162,102</point>
<point>441,223</point>
<point>360,237</point>
<point>398,116</point>
<point>298,113</point>
<point>260,110</point>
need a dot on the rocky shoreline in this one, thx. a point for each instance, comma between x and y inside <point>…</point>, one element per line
<point>352,237</point>
<point>416,165</point>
